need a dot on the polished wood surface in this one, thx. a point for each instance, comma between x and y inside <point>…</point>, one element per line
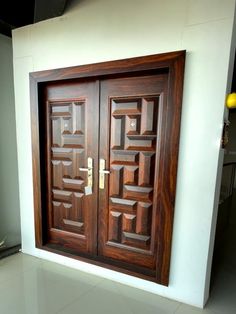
<point>71,114</point>
<point>128,113</point>
<point>133,112</point>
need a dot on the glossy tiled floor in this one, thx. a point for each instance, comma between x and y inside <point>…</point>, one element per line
<point>32,286</point>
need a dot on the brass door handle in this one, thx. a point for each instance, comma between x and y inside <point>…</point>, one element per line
<point>90,172</point>
<point>105,171</point>
<point>102,172</point>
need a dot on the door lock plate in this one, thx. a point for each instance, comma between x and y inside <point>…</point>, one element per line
<point>89,170</point>
<point>102,172</point>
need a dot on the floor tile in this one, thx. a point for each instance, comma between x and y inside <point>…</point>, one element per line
<point>144,302</point>
<point>223,294</point>
<point>111,297</point>
<point>102,299</point>
<point>222,298</point>
<point>43,290</point>
<point>17,264</point>
<point>57,273</point>
<point>187,309</point>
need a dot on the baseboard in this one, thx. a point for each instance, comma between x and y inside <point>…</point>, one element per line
<point>4,252</point>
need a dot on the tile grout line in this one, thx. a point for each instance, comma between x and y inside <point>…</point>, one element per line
<point>79,297</point>
<point>18,274</point>
<point>168,300</point>
<point>177,308</point>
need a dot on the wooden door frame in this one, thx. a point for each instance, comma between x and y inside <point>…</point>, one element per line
<point>171,63</point>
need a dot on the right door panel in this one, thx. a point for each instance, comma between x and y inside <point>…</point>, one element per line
<point>132,118</point>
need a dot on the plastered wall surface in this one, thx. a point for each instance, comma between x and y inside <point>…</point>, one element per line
<point>98,30</point>
<point>9,195</point>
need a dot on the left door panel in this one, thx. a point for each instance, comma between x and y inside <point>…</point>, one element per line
<point>70,117</point>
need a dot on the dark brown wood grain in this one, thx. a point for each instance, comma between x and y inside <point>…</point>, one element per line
<point>36,163</point>
<point>71,127</point>
<point>128,209</point>
<point>128,225</point>
<point>124,66</point>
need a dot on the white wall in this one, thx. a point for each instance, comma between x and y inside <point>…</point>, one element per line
<point>9,195</point>
<point>99,30</point>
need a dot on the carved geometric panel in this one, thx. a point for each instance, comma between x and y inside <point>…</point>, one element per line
<point>67,156</point>
<point>132,163</point>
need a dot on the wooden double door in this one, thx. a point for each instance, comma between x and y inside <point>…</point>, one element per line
<point>106,172</point>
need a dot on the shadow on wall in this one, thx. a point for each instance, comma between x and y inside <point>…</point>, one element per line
<point>9,206</point>
<point>73,4</point>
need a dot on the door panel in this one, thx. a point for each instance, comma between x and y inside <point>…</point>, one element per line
<point>72,123</point>
<point>124,117</point>
<point>133,116</point>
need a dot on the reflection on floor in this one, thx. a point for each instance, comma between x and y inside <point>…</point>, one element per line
<point>29,285</point>
<point>223,291</point>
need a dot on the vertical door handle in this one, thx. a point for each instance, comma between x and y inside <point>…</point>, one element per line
<point>90,172</point>
<point>102,172</point>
